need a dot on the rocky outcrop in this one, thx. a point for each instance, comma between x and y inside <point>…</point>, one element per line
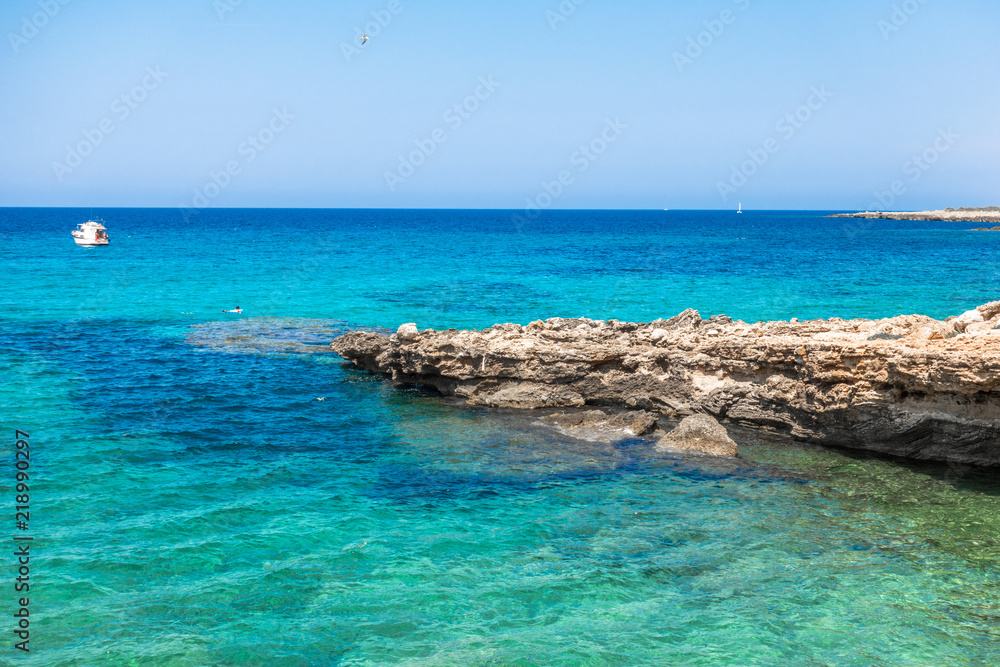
<point>700,434</point>
<point>909,386</point>
<point>986,214</point>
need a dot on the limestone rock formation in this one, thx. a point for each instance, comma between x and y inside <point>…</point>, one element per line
<point>526,395</point>
<point>700,434</point>
<point>909,386</point>
<point>965,319</point>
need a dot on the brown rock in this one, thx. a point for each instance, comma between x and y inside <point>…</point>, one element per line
<point>934,331</point>
<point>967,318</point>
<point>689,318</point>
<point>701,434</point>
<point>979,327</point>
<point>529,396</point>
<point>989,310</point>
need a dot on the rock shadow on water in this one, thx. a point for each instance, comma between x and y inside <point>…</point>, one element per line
<point>475,454</point>
<point>645,454</point>
<point>565,452</point>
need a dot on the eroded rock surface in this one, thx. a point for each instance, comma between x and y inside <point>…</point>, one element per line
<point>909,386</point>
<point>700,434</point>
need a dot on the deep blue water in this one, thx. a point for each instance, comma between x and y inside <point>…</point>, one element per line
<point>215,489</point>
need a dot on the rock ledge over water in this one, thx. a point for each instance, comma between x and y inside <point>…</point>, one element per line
<point>909,386</point>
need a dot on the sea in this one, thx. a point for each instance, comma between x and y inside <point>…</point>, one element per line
<point>211,488</point>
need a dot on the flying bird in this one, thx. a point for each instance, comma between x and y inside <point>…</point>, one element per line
<point>364,38</point>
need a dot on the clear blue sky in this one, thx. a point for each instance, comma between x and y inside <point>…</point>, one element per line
<point>687,126</point>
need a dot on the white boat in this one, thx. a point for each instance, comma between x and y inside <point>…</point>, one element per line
<point>740,209</point>
<point>90,233</point>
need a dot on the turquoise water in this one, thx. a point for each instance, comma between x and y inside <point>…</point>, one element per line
<point>214,489</point>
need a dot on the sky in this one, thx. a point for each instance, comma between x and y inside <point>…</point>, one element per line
<point>513,104</point>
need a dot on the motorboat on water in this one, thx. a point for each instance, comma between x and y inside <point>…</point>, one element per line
<point>90,233</point>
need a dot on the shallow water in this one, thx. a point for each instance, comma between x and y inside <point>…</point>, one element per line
<point>216,489</point>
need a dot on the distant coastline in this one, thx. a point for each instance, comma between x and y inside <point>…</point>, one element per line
<point>983,214</point>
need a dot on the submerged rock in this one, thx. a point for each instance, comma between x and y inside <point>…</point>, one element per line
<point>910,386</point>
<point>638,422</point>
<point>267,335</point>
<point>701,434</point>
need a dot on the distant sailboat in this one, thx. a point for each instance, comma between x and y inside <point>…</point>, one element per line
<point>740,209</point>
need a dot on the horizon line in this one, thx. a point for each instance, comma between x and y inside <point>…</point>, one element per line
<point>440,208</point>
